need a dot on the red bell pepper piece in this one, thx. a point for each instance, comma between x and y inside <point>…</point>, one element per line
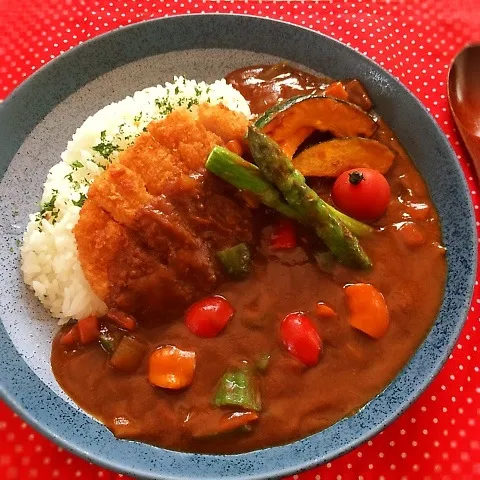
<point>88,329</point>
<point>283,236</point>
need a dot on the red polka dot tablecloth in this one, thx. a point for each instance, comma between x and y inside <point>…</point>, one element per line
<point>438,437</point>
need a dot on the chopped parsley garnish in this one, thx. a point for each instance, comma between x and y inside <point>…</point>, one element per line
<point>104,148</point>
<point>164,106</point>
<point>138,117</point>
<point>177,90</point>
<point>69,177</point>
<point>76,165</point>
<point>191,102</point>
<point>80,201</point>
<point>48,210</point>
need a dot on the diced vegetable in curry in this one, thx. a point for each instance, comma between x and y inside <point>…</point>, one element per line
<point>268,292</point>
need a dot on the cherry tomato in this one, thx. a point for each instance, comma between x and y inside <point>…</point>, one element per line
<point>283,235</point>
<point>300,338</point>
<point>208,317</point>
<point>362,193</point>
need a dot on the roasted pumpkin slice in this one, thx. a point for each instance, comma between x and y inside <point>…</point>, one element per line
<point>291,122</point>
<point>331,158</point>
<point>280,107</point>
<point>290,146</point>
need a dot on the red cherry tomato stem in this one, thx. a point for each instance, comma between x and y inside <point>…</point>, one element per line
<point>362,193</point>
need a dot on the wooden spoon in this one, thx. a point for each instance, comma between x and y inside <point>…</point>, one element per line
<point>464,98</point>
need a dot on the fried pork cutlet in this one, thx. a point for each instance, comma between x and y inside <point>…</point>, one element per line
<point>148,233</point>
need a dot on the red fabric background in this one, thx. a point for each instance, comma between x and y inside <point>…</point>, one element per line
<point>438,437</point>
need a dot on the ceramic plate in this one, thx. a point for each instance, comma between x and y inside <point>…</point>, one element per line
<point>39,118</point>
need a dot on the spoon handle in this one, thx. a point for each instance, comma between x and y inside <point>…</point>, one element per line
<point>472,142</point>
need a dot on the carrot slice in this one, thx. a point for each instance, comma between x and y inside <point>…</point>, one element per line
<point>337,90</point>
<point>210,424</point>
<point>323,310</point>
<point>235,146</point>
<point>368,310</point>
<point>70,337</point>
<point>411,235</point>
<point>236,420</point>
<point>122,319</point>
<point>172,368</point>
<point>89,329</point>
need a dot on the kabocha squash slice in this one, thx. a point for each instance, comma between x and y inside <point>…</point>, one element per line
<point>279,108</point>
<point>292,121</point>
<point>332,158</point>
<point>290,144</point>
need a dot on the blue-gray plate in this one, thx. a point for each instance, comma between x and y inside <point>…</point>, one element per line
<point>39,118</point>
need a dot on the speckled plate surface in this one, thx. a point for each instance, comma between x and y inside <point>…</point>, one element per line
<point>39,118</point>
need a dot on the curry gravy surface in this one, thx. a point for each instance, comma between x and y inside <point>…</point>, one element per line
<point>296,401</point>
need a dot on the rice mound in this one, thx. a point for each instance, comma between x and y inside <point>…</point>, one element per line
<point>50,262</point>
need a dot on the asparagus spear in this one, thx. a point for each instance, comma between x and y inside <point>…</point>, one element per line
<point>246,176</point>
<point>278,169</point>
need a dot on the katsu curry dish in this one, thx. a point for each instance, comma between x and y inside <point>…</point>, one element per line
<point>234,265</point>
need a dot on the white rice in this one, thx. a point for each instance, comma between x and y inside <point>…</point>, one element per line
<point>49,255</point>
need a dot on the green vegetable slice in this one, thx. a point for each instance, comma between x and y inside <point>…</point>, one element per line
<point>262,363</point>
<point>107,340</point>
<point>237,388</point>
<point>128,355</point>
<point>236,260</point>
